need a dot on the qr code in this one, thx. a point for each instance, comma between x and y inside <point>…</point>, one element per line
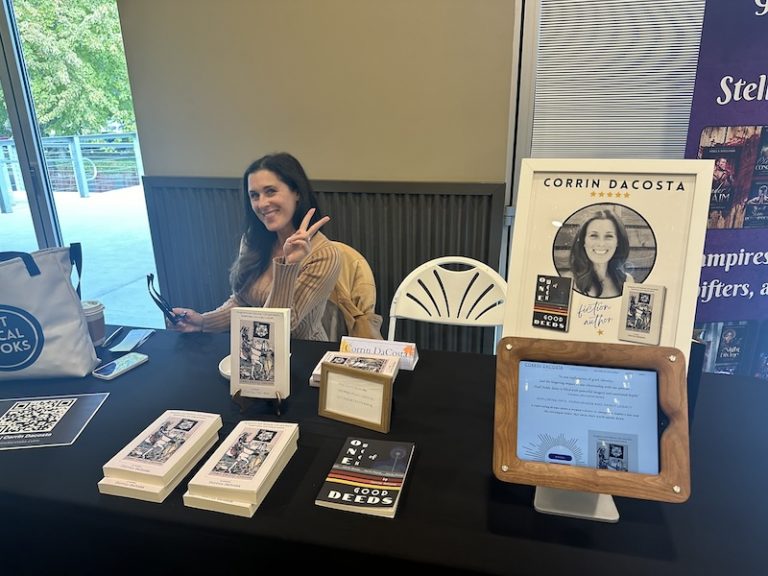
<point>34,415</point>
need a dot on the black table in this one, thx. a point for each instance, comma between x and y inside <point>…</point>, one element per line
<point>453,515</point>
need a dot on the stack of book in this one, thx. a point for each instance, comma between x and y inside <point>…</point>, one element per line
<point>367,477</point>
<point>151,465</point>
<point>240,473</point>
<point>384,365</point>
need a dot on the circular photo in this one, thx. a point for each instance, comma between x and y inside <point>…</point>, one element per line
<point>602,246</point>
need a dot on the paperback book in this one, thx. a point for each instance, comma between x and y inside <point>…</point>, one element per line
<point>367,477</point>
<point>240,473</point>
<point>151,465</point>
<point>260,352</point>
<point>642,312</point>
<point>385,365</point>
<point>552,304</point>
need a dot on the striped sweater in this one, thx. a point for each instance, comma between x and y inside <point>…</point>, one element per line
<point>303,287</point>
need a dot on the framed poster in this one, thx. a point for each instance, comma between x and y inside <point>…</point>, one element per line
<point>601,224</point>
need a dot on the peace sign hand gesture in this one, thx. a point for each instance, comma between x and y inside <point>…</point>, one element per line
<point>299,244</point>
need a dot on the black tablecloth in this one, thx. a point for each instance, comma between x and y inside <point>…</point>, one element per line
<point>454,515</point>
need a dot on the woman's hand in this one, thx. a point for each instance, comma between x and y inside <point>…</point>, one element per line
<point>299,244</point>
<point>187,321</point>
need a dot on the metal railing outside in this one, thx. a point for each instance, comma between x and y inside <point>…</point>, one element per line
<point>81,163</point>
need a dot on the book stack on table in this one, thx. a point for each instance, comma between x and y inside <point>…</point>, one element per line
<point>240,473</point>
<point>151,465</point>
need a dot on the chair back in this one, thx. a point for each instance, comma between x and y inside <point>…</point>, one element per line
<point>351,306</point>
<point>472,296</point>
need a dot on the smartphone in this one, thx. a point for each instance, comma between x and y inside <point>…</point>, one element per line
<point>120,365</point>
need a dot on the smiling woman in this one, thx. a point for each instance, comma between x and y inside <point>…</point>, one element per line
<point>284,261</point>
<point>602,255</point>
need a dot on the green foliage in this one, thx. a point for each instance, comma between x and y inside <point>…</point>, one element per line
<point>75,61</point>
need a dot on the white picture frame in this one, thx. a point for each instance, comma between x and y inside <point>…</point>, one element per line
<point>661,204</point>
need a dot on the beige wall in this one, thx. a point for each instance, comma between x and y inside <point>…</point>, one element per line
<point>413,90</point>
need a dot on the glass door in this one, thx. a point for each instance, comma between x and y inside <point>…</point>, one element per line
<point>72,55</point>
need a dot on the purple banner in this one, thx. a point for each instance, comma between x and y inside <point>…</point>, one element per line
<point>734,277</point>
<point>729,124</point>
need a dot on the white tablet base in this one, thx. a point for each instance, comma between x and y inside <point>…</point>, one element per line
<point>586,505</point>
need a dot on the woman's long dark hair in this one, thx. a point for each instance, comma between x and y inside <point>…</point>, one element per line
<point>583,270</point>
<point>259,241</point>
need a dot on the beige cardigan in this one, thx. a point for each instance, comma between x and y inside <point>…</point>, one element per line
<point>303,287</point>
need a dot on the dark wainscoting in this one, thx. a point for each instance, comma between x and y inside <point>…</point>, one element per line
<point>196,224</point>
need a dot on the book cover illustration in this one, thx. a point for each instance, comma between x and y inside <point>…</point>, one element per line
<point>552,303</point>
<point>723,175</point>
<point>247,453</point>
<point>367,477</point>
<point>733,348</point>
<point>260,350</point>
<point>761,163</point>
<point>163,448</point>
<point>642,313</point>
<point>162,442</point>
<point>756,209</point>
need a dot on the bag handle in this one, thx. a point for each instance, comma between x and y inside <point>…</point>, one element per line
<point>76,258</point>
<point>29,262</point>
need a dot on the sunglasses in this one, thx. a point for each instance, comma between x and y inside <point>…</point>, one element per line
<point>161,302</point>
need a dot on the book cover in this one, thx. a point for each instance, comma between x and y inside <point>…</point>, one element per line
<point>246,464</point>
<point>723,175</point>
<point>756,208</point>
<point>734,347</point>
<point>151,491</point>
<point>552,303</point>
<point>260,352</point>
<point>761,163</point>
<point>367,477</point>
<point>165,447</point>
<point>386,365</point>
<point>642,312</point>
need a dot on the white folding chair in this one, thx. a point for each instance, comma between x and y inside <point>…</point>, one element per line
<point>471,296</point>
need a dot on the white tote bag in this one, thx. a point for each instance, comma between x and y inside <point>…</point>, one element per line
<point>43,331</point>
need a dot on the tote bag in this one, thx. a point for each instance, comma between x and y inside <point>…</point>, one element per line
<point>43,331</point>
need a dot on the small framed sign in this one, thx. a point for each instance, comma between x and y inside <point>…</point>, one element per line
<point>355,396</point>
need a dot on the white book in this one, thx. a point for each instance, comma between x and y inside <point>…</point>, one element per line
<point>260,350</point>
<point>385,365</point>
<point>642,313</point>
<point>247,462</point>
<point>229,502</point>
<point>225,505</point>
<point>151,491</point>
<point>165,447</point>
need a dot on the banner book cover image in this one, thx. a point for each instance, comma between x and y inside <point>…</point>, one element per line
<point>260,351</point>
<point>367,477</point>
<point>552,304</point>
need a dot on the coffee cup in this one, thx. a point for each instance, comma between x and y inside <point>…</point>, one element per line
<point>94,315</point>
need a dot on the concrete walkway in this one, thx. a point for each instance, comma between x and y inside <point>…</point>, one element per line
<point>117,249</point>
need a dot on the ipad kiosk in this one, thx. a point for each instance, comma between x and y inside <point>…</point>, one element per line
<point>584,421</point>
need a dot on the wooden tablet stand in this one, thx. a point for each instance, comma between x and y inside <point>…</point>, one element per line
<point>593,487</point>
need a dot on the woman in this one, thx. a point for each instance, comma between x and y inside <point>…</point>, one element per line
<point>598,255</point>
<point>284,261</point>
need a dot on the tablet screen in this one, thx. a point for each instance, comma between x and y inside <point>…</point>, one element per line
<point>590,416</point>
